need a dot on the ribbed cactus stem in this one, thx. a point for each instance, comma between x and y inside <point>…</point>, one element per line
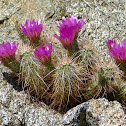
<point>35,43</point>
<point>49,65</point>
<point>87,58</point>
<point>122,66</point>
<point>101,78</point>
<point>13,65</point>
<point>32,74</point>
<point>74,48</point>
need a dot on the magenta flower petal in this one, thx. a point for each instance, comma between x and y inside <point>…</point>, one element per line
<point>69,29</point>
<point>110,43</point>
<point>118,51</point>
<point>32,29</point>
<point>7,51</point>
<point>43,53</point>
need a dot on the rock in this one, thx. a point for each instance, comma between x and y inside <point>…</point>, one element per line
<point>15,109</point>
<point>8,8</point>
<point>96,112</point>
<point>76,116</point>
<point>101,112</point>
<point>17,12</point>
<point>30,8</point>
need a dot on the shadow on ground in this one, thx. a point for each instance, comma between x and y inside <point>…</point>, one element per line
<point>14,81</point>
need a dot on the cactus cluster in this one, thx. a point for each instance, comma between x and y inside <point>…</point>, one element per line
<point>70,74</point>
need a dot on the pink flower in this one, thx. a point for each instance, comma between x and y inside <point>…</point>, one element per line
<point>32,29</point>
<point>69,29</point>
<point>110,44</point>
<point>43,53</point>
<point>118,51</point>
<point>7,51</point>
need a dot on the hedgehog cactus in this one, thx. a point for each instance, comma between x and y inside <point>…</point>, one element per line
<point>105,80</point>
<point>32,73</point>
<point>118,52</point>
<point>67,84</point>
<point>68,75</point>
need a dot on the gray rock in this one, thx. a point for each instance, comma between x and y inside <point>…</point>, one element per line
<point>96,112</point>
<point>76,116</point>
<point>15,109</point>
<point>8,8</point>
<point>13,13</point>
<point>101,112</point>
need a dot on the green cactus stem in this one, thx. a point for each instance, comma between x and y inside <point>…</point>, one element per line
<point>13,65</point>
<point>74,49</point>
<point>32,74</point>
<point>49,65</point>
<point>67,85</point>
<point>122,66</point>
